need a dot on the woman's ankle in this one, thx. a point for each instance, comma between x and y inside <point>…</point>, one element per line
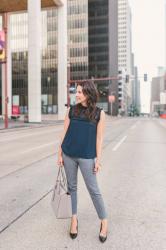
<point>104,223</point>
<point>74,217</point>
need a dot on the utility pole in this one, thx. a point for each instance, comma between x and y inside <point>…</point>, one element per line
<point>6,57</point>
<point>4,42</point>
<point>68,82</point>
<point>112,100</point>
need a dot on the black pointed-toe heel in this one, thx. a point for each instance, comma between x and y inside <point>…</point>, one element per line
<point>102,238</point>
<point>74,235</point>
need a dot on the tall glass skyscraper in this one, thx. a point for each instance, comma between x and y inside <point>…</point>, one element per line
<point>98,13</point>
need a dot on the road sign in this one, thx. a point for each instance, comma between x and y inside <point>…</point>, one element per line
<point>111,98</point>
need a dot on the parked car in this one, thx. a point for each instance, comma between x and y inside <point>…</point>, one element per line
<point>163,115</point>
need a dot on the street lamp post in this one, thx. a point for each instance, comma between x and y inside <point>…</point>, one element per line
<point>111,108</point>
<point>68,82</point>
<point>68,73</point>
<point>6,90</point>
<point>111,98</point>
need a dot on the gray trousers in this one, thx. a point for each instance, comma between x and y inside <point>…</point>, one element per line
<point>86,166</point>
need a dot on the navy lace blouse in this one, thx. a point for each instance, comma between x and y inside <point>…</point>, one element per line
<point>80,138</point>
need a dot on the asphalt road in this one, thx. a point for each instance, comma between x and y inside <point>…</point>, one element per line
<point>132,180</point>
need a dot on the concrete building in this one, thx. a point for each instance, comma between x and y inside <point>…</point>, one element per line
<point>125,49</point>
<point>91,51</point>
<point>33,32</point>
<point>103,49</point>
<point>92,33</point>
<point>122,92</point>
<point>158,95</point>
<point>97,41</point>
<point>158,87</point>
<point>137,97</point>
<point>135,88</point>
<point>165,34</point>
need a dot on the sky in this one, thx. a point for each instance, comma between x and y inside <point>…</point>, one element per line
<point>148,41</point>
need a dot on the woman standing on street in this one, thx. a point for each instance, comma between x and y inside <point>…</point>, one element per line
<point>81,145</point>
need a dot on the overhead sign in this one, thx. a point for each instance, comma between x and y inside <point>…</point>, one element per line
<point>2,45</point>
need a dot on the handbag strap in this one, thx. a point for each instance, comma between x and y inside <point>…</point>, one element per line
<point>61,178</point>
<point>64,177</point>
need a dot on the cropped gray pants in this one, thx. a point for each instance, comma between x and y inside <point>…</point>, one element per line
<point>86,166</point>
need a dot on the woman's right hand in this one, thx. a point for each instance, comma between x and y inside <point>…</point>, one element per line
<point>60,160</point>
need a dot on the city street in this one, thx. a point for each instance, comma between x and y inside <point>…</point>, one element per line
<point>132,181</point>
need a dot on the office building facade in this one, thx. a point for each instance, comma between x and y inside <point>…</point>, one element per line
<point>34,50</point>
<point>92,52</point>
<point>124,54</point>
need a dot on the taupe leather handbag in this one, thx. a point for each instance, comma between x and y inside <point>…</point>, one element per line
<point>61,199</point>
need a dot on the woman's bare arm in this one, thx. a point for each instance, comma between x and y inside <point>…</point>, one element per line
<point>66,125</point>
<point>100,135</point>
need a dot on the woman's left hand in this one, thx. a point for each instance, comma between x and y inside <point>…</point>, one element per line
<point>97,167</point>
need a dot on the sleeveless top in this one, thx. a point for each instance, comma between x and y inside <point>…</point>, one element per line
<point>80,138</point>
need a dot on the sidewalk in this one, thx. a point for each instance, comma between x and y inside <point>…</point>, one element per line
<point>46,120</point>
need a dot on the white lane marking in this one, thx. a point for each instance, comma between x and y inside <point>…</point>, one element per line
<point>42,146</point>
<point>135,125</point>
<point>119,143</point>
<point>33,134</point>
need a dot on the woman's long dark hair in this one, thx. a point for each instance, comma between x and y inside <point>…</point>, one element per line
<point>90,91</point>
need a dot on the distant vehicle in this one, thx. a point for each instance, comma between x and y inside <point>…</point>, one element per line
<point>144,115</point>
<point>163,115</point>
<point>15,112</point>
<point>154,114</point>
<point>72,90</point>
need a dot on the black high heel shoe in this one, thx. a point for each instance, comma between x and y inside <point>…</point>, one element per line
<point>74,235</point>
<point>102,238</point>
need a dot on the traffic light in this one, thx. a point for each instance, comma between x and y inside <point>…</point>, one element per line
<point>127,78</point>
<point>145,77</point>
